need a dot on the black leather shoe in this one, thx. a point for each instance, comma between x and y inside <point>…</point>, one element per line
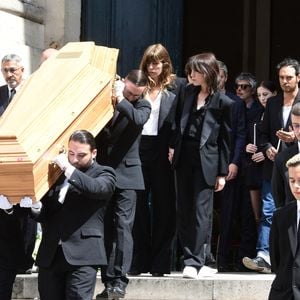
<point>118,291</point>
<point>134,273</point>
<point>224,269</point>
<point>157,274</point>
<point>105,294</point>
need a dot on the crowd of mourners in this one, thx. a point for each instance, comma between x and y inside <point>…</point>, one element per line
<point>186,176</point>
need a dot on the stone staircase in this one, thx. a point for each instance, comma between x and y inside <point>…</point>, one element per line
<point>229,286</point>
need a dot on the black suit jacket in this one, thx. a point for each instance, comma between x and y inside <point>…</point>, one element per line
<point>118,144</point>
<point>78,222</point>
<point>271,123</point>
<point>215,143</point>
<point>280,182</point>
<point>285,256</point>
<point>238,129</point>
<point>3,98</point>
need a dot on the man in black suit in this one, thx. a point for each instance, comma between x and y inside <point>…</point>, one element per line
<point>72,214</point>
<point>285,241</point>
<point>17,229</point>
<point>229,197</point>
<point>118,147</point>
<point>280,187</point>
<point>12,71</point>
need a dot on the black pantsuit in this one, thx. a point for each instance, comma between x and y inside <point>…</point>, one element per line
<point>190,179</point>
<point>198,160</point>
<point>154,226</point>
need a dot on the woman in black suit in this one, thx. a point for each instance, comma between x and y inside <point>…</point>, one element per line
<point>200,158</point>
<point>154,226</point>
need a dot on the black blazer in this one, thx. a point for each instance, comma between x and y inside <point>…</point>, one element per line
<point>238,130</point>
<point>215,143</point>
<point>3,98</point>
<point>285,257</point>
<point>78,222</point>
<point>271,123</point>
<point>280,182</point>
<point>118,145</point>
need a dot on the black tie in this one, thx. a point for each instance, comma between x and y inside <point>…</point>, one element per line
<point>12,94</point>
<point>298,236</point>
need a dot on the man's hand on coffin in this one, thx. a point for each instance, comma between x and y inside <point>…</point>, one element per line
<point>118,89</point>
<point>4,203</point>
<point>28,203</point>
<point>62,161</point>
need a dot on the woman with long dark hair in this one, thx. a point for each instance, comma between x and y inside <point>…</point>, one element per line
<point>200,157</point>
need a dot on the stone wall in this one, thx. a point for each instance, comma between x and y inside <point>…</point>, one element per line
<point>29,26</point>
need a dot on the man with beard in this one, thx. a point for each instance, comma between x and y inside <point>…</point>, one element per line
<point>277,135</point>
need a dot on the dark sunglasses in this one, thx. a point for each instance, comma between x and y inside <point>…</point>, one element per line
<point>10,70</point>
<point>242,86</point>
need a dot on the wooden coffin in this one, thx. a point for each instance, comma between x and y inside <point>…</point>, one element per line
<point>71,90</point>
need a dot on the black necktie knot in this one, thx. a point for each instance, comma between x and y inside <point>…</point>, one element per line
<point>12,94</point>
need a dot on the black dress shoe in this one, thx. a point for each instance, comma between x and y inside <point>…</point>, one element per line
<point>224,269</point>
<point>105,294</point>
<point>118,291</point>
<point>134,273</point>
<point>157,274</point>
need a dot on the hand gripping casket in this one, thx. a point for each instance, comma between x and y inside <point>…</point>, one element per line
<point>71,90</point>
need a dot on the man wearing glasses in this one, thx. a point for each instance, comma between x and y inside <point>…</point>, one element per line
<point>12,71</point>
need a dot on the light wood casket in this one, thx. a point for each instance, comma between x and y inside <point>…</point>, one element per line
<point>71,90</point>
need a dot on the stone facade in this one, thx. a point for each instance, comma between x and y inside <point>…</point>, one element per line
<point>29,26</point>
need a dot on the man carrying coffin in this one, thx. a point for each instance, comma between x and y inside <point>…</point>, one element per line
<point>17,229</point>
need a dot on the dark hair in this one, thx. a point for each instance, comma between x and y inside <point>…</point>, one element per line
<point>206,64</point>
<point>296,109</point>
<point>83,137</point>
<point>289,62</point>
<point>269,85</point>
<point>137,77</point>
<point>158,53</point>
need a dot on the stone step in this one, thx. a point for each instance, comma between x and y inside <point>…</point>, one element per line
<point>220,286</point>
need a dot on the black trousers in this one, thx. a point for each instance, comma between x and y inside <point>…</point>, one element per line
<point>118,225</point>
<point>154,225</point>
<point>7,278</point>
<point>235,209</point>
<point>194,206</point>
<point>62,281</point>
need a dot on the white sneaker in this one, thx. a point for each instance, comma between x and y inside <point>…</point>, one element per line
<point>206,271</point>
<point>190,272</point>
